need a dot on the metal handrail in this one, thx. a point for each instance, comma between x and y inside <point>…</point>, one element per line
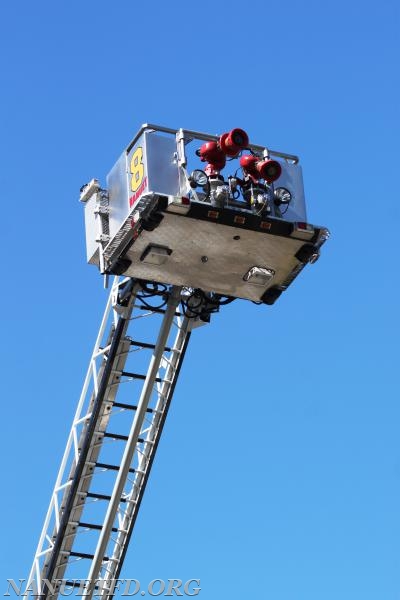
<point>206,137</point>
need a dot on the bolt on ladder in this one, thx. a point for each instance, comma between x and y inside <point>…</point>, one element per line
<point>111,444</point>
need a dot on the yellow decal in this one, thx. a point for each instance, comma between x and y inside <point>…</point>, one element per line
<point>137,169</point>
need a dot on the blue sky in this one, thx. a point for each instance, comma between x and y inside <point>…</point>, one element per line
<point>278,475</point>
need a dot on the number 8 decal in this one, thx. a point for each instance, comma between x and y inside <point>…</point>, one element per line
<point>137,169</point>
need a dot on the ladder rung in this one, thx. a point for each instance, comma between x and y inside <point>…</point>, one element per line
<point>150,346</point>
<point>118,436</point>
<point>84,555</point>
<point>93,526</point>
<point>78,584</point>
<point>115,436</point>
<point>111,467</point>
<point>138,376</point>
<point>101,496</point>
<point>130,406</point>
<point>161,311</point>
<point>73,583</point>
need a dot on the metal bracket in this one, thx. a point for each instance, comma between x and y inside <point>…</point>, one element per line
<point>180,143</point>
<point>119,293</point>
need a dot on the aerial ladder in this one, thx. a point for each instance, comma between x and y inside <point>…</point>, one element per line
<point>179,242</point>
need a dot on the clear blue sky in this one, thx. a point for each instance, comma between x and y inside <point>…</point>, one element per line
<point>278,476</point>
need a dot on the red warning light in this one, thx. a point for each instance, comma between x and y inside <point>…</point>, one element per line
<point>270,170</point>
<point>233,142</point>
<point>211,152</point>
<point>249,163</point>
<point>266,169</point>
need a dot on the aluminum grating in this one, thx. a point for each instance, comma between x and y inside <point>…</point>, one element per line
<point>213,257</point>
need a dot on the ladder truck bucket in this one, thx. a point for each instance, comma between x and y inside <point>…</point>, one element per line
<point>158,220</point>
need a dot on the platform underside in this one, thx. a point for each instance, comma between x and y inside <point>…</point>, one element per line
<point>213,256</point>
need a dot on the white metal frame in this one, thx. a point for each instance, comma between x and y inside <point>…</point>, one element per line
<point>61,534</point>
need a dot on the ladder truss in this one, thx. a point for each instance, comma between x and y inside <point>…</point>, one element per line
<point>112,442</point>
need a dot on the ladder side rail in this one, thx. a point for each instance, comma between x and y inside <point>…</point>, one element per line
<point>165,394</point>
<point>74,534</point>
<point>35,571</point>
<point>117,336</point>
<point>131,444</point>
<point>80,466</point>
<point>88,473</point>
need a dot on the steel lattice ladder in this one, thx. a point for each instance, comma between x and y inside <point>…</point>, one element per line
<point>112,443</point>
